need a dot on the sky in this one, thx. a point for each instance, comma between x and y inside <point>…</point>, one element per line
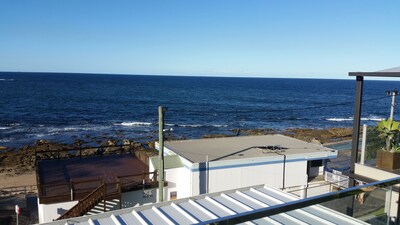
<point>281,38</point>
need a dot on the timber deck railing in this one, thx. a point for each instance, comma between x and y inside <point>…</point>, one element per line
<point>108,191</point>
<point>75,190</point>
<point>81,152</point>
<point>87,203</point>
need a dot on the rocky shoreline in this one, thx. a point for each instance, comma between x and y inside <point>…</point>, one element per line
<point>14,162</point>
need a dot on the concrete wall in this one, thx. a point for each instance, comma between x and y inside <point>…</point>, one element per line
<point>178,182</point>
<point>231,177</point>
<point>49,212</point>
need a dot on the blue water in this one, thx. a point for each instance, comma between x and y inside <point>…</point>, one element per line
<point>63,107</point>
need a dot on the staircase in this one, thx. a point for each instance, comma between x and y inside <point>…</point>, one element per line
<point>99,208</point>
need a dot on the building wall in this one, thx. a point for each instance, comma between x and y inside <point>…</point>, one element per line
<point>296,173</point>
<point>49,212</point>
<point>140,197</point>
<point>178,182</point>
<point>236,176</point>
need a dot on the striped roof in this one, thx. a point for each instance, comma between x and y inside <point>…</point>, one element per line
<point>203,209</point>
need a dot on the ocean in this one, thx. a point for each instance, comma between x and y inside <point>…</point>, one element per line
<point>63,107</point>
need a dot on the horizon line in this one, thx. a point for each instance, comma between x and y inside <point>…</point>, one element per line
<point>183,75</point>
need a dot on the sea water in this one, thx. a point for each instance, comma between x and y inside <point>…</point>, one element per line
<point>93,107</point>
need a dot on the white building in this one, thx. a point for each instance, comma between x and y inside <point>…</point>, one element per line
<point>194,167</point>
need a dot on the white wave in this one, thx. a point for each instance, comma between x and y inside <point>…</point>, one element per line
<point>55,130</point>
<point>200,125</point>
<point>4,128</point>
<point>339,119</point>
<point>5,140</point>
<point>220,125</point>
<point>134,124</point>
<point>372,118</point>
<point>191,125</point>
<point>2,79</point>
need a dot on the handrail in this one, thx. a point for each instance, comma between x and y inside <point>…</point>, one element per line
<point>12,190</point>
<point>301,203</point>
<point>74,190</point>
<point>136,175</point>
<point>120,148</point>
<point>86,204</point>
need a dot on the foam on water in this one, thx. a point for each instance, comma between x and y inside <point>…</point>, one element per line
<point>133,124</point>
<point>372,118</point>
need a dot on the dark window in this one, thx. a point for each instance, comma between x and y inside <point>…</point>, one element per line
<point>316,163</point>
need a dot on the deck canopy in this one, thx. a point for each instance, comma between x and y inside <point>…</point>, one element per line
<point>391,72</point>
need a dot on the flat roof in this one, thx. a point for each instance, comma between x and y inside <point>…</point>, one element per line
<point>204,209</point>
<point>391,72</point>
<point>228,148</point>
<point>170,162</point>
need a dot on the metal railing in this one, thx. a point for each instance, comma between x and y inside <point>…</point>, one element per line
<point>352,193</point>
<point>337,178</point>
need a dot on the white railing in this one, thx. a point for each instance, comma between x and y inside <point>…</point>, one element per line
<point>337,178</point>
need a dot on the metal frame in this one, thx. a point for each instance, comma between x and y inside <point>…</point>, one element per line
<point>394,72</point>
<point>273,210</point>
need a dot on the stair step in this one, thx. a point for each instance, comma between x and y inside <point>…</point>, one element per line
<point>99,208</point>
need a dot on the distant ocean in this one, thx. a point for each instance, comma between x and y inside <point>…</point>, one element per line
<point>93,107</point>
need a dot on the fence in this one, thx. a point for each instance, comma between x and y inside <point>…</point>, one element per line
<point>75,190</point>
<point>81,152</point>
<point>10,191</point>
<point>336,178</point>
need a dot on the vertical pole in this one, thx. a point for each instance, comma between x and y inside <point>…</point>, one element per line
<point>363,144</point>
<point>161,153</point>
<point>398,208</point>
<point>207,174</point>
<point>355,139</point>
<point>393,93</point>
<point>356,127</point>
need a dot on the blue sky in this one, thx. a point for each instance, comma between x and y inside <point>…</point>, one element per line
<point>324,39</point>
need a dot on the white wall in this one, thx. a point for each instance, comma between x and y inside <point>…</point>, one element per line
<point>178,180</point>
<point>296,174</point>
<point>49,212</point>
<point>136,198</point>
<point>268,174</point>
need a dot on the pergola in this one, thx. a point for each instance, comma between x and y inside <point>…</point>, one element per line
<point>392,72</point>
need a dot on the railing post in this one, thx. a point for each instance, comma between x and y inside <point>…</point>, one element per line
<point>71,187</point>
<point>104,196</point>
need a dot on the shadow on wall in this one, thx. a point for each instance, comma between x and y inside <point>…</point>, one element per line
<point>203,177</point>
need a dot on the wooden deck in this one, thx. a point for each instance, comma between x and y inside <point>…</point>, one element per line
<point>72,179</point>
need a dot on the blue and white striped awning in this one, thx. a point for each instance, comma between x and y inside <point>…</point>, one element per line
<point>205,208</point>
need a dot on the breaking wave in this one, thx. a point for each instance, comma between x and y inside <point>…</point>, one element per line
<point>373,118</point>
<point>134,124</point>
